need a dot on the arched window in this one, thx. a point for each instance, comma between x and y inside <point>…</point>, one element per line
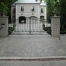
<point>42,10</point>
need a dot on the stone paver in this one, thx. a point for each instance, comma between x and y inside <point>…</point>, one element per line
<point>32,46</point>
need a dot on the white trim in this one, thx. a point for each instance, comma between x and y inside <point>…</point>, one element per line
<point>27,13</point>
<point>16,11</point>
<point>38,12</point>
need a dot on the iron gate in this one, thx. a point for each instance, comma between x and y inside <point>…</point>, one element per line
<point>31,25</point>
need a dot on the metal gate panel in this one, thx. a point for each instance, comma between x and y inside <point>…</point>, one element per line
<point>32,26</point>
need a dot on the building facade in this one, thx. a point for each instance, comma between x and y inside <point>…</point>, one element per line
<point>28,8</point>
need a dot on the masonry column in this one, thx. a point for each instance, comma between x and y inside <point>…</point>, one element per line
<point>55,26</point>
<point>4,26</point>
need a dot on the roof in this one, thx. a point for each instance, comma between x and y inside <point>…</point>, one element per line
<point>43,3</point>
<point>27,1</point>
<point>13,4</point>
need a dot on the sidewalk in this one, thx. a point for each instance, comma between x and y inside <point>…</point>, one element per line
<point>32,46</point>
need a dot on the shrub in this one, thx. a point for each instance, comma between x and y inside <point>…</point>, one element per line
<point>47,29</point>
<point>11,29</point>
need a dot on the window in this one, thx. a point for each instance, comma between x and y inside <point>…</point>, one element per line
<point>42,10</point>
<point>14,10</point>
<point>22,8</point>
<point>40,1</point>
<point>32,9</point>
<point>36,0</point>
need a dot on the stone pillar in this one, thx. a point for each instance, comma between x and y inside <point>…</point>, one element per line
<point>55,26</point>
<point>4,26</point>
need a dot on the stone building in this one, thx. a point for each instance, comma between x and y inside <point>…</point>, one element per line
<point>28,8</point>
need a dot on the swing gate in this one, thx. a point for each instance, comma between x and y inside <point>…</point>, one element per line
<point>29,25</point>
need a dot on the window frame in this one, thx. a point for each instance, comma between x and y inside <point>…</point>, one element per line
<point>42,10</point>
<point>22,8</point>
<point>33,9</point>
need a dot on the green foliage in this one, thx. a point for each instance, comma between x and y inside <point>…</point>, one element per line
<point>60,7</point>
<point>3,7</point>
<point>51,6</point>
<point>6,5</point>
<point>57,7</point>
<point>11,29</point>
<point>47,29</point>
<point>63,11</point>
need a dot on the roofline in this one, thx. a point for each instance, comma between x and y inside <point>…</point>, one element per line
<point>27,3</point>
<point>23,3</point>
<point>43,5</point>
<point>12,5</point>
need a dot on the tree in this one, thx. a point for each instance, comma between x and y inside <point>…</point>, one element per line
<point>63,11</point>
<point>3,7</point>
<point>52,5</point>
<point>6,5</point>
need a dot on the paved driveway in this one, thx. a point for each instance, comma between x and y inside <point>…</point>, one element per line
<point>32,46</point>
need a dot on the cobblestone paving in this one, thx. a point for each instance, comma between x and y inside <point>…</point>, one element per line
<point>32,46</point>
